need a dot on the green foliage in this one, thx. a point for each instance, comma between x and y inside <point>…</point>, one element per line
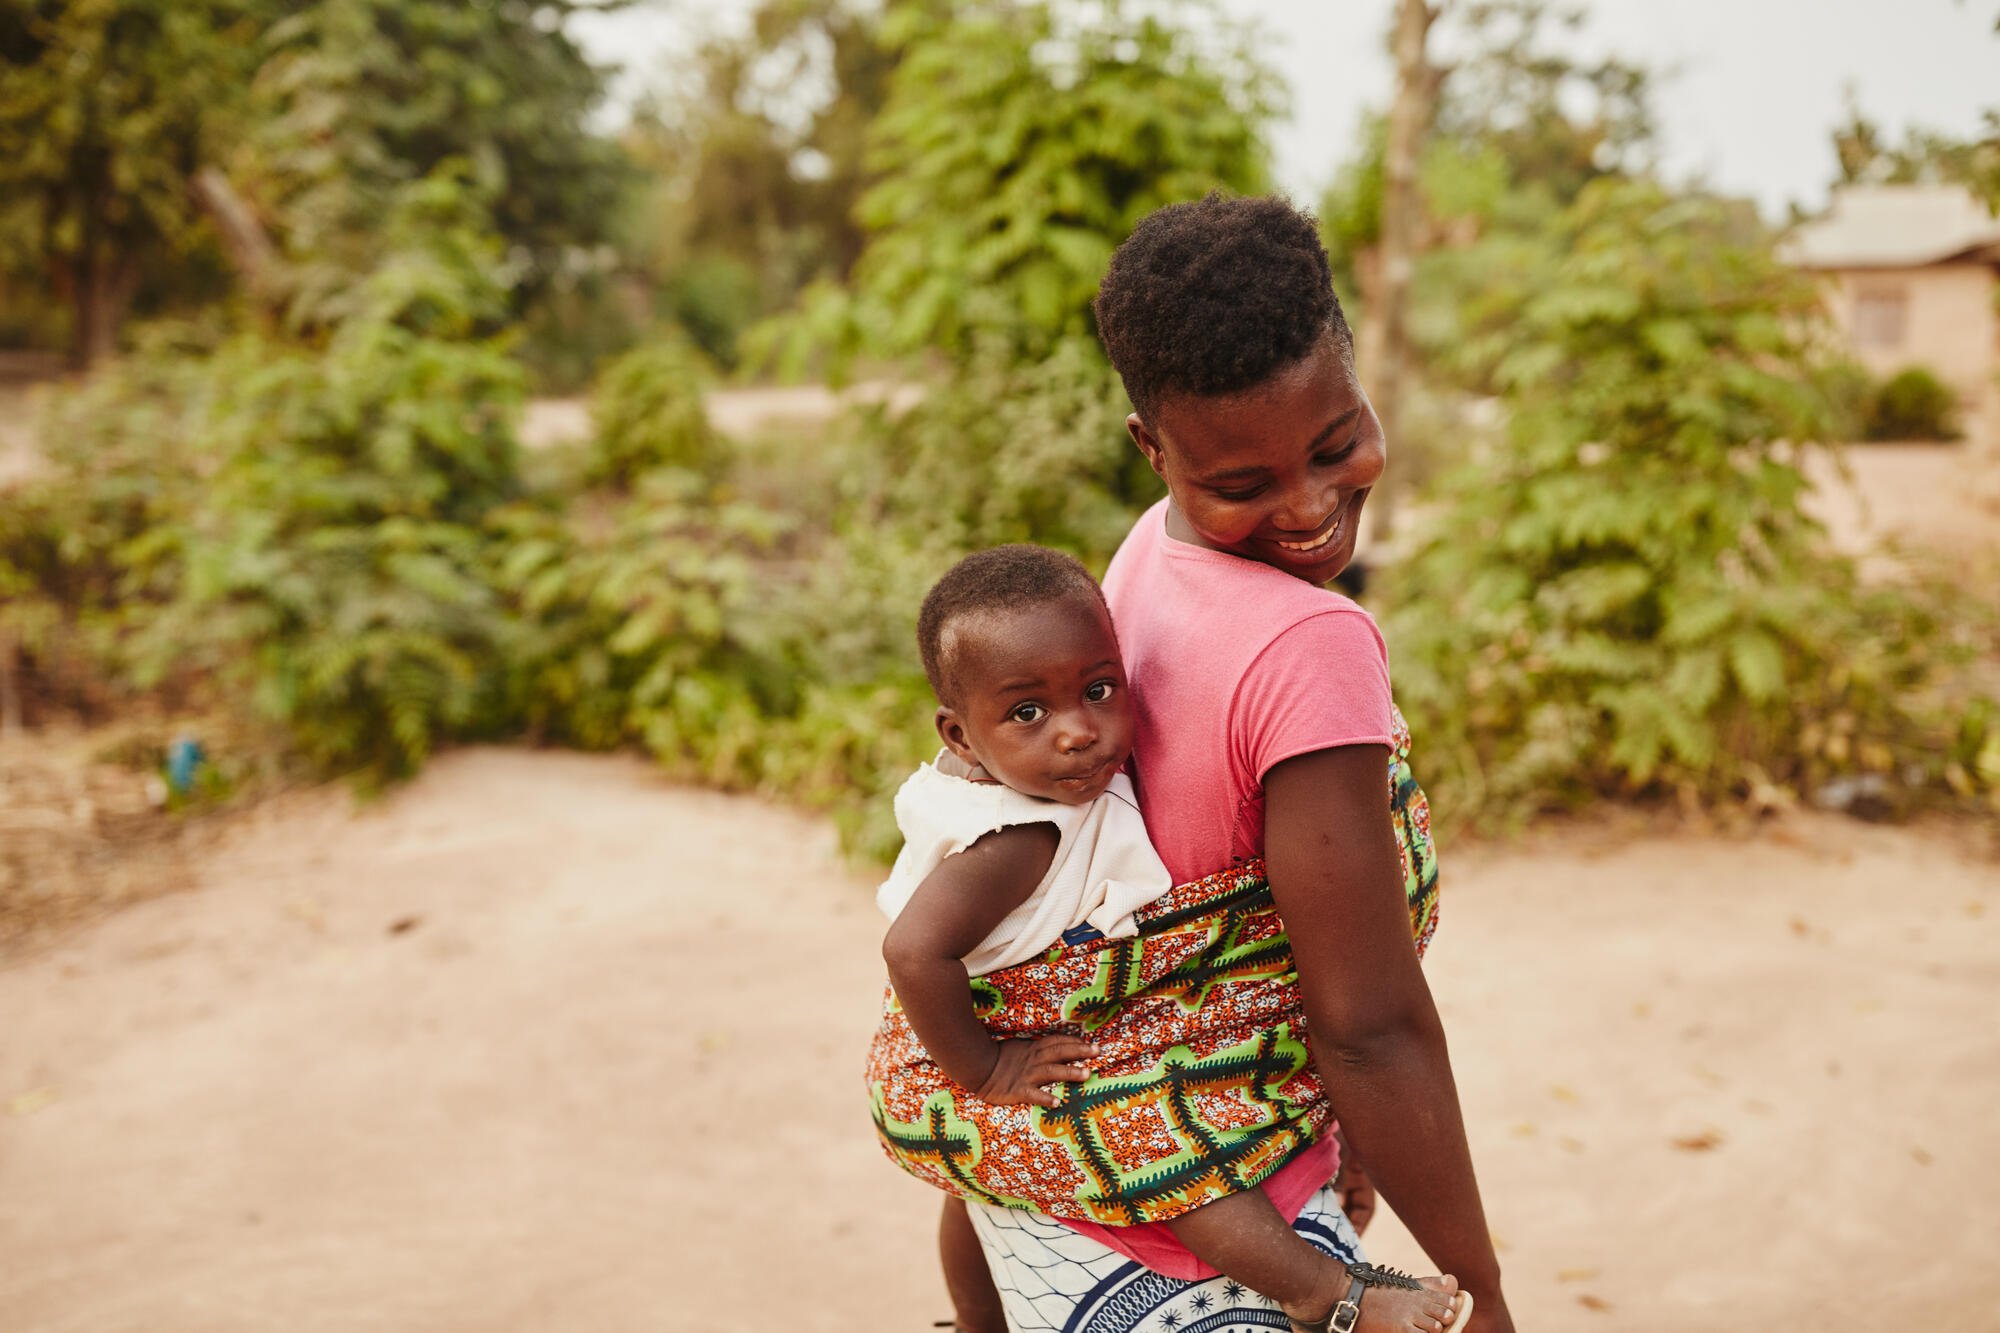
<point>1912,404</point>
<point>1558,120</point>
<point>332,572</point>
<point>1626,596</point>
<point>678,620</point>
<point>751,172</point>
<point>1003,451</point>
<point>648,412</point>
<point>1019,144</point>
<point>356,99</point>
<point>106,109</point>
<point>296,528</point>
<point>645,624</point>
<point>1925,156</point>
<point>715,299</point>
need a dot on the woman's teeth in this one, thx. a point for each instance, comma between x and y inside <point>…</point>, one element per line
<point>1316,542</point>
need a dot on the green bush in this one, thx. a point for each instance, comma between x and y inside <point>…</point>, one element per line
<point>333,571</point>
<point>87,545</point>
<point>648,412</point>
<point>288,531</point>
<point>1912,404</point>
<point>715,297</point>
<point>643,624</point>
<point>1003,451</point>
<point>1627,598</point>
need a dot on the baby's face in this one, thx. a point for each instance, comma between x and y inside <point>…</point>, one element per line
<point>1041,699</point>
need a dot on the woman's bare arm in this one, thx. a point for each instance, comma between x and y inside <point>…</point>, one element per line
<point>1377,1042</point>
<point>956,907</point>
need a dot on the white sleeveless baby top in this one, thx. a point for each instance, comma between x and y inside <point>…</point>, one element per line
<point>1104,870</point>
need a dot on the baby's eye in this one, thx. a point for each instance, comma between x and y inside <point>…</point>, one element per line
<point>1027,713</point>
<point>1100,691</point>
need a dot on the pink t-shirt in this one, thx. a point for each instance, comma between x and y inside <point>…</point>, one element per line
<point>1235,667</point>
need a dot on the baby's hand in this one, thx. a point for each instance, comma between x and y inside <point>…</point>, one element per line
<point>1026,1069</point>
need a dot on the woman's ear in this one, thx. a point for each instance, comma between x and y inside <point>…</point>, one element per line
<point>952,732</point>
<point>1148,444</point>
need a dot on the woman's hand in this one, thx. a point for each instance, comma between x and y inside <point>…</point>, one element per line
<point>1024,1069</point>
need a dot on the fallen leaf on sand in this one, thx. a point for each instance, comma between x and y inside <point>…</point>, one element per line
<point>1577,1274</point>
<point>1570,1144</point>
<point>1921,1156</point>
<point>713,1041</point>
<point>1975,909</point>
<point>1563,1094</point>
<point>1800,928</point>
<point>31,1101</point>
<point>1524,1130</point>
<point>1590,1302</point>
<point>1708,1076</point>
<point>1706,1141</point>
<point>403,925</point>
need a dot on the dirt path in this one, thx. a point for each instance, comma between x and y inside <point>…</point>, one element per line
<point>541,1042</point>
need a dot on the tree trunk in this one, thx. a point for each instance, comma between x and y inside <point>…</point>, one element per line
<point>103,280</point>
<point>1390,267</point>
<point>101,289</point>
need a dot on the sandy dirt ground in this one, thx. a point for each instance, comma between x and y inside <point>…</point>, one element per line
<point>543,1042</point>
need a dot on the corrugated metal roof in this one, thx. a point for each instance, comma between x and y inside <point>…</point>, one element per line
<point>1893,226</point>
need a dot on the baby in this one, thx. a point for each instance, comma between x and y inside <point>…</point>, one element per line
<point>1024,833</point>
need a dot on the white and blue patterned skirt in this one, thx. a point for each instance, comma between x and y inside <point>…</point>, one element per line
<point>1055,1280</point>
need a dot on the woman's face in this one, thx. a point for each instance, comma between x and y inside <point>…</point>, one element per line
<point>1277,473</point>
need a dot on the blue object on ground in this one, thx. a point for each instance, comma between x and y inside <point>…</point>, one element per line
<point>184,758</point>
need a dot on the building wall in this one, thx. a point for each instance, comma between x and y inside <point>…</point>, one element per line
<point>1941,317</point>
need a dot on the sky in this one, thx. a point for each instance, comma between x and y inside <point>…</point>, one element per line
<point>1752,90</point>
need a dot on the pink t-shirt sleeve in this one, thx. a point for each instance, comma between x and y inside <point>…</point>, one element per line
<point>1322,683</point>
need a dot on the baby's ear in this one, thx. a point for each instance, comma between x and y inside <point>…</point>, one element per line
<point>952,732</point>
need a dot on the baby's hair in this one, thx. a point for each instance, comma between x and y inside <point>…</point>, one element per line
<point>1001,578</point>
<point>1215,297</point>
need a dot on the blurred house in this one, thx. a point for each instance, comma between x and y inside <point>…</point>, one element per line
<point>1913,277</point>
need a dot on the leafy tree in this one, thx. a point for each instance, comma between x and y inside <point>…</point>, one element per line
<point>755,170</point>
<point>107,109</point>
<point>1558,121</point>
<point>1925,156</point>
<point>356,99</point>
<point>1626,596</point>
<point>1021,141</point>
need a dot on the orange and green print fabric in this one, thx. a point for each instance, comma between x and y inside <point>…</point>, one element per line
<point>1205,1087</point>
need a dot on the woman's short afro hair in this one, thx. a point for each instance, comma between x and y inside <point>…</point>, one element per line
<point>1001,578</point>
<point>1215,297</point>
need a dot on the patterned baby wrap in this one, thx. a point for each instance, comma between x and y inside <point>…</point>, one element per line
<point>1205,1087</point>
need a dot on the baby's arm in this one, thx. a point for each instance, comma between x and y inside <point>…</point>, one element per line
<point>956,907</point>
